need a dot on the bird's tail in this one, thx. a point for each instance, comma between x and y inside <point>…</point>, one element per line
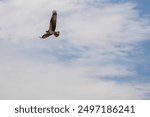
<point>56,34</point>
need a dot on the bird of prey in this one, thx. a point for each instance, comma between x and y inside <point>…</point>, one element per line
<point>52,26</point>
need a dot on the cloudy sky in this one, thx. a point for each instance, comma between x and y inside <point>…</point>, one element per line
<point>102,51</point>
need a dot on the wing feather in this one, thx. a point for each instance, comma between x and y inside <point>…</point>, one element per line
<point>53,21</point>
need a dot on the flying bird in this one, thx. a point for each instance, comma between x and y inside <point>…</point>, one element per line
<point>52,26</point>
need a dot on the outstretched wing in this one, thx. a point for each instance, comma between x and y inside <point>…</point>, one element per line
<point>53,21</point>
<point>45,35</point>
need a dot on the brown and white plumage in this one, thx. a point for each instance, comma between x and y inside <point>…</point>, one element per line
<point>52,26</point>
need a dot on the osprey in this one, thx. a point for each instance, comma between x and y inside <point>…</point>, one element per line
<point>52,26</point>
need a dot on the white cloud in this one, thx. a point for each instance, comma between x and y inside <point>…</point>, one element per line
<point>100,38</point>
<point>111,24</point>
<point>29,80</point>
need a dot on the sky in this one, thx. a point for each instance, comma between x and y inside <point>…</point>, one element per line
<point>102,51</point>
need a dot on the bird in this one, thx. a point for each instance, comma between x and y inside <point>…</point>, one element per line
<point>52,26</point>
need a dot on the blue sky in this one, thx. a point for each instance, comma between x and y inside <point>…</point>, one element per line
<point>143,5</point>
<point>102,51</point>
